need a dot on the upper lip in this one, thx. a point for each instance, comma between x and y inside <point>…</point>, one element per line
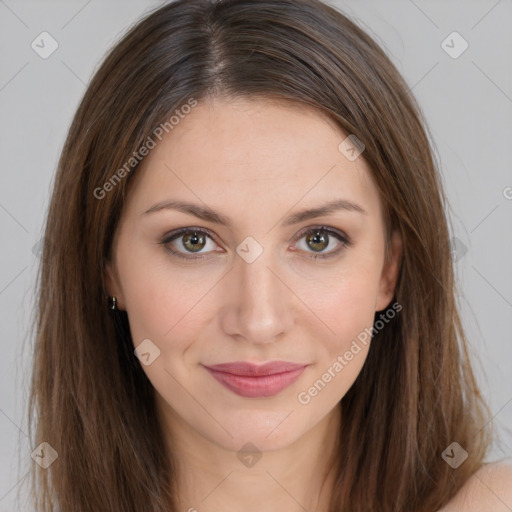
<point>256,370</point>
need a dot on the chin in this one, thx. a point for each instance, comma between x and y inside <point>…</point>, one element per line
<point>267,430</point>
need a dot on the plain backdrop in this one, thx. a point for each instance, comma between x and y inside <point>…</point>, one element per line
<point>466,97</point>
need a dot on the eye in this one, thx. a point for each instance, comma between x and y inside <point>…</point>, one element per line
<point>188,243</point>
<point>189,240</point>
<point>320,238</point>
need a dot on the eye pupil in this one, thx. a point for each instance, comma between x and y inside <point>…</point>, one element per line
<point>318,239</point>
<point>196,239</point>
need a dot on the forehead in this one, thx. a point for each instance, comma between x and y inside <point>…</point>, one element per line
<point>249,152</point>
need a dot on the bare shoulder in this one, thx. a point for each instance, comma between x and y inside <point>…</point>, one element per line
<point>489,489</point>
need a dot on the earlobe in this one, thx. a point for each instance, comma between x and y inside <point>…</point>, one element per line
<point>112,285</point>
<point>390,272</point>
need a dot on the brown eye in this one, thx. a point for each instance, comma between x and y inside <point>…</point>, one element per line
<point>319,239</point>
<point>197,241</point>
<point>194,242</point>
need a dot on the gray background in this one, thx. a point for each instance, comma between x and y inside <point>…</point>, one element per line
<point>467,102</point>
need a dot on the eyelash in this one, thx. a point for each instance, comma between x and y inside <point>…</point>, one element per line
<point>340,236</point>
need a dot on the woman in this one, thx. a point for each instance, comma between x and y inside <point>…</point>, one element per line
<point>251,186</point>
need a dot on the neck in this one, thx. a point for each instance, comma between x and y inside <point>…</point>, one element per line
<point>295,478</point>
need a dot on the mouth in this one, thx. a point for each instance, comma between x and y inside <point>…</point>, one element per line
<point>256,381</point>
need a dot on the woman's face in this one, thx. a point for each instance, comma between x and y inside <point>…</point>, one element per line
<point>256,284</point>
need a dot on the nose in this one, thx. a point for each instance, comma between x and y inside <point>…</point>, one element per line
<point>259,304</point>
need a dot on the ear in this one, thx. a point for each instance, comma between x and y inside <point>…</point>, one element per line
<point>112,285</point>
<point>390,272</point>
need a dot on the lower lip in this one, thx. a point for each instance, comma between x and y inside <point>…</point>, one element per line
<point>257,387</point>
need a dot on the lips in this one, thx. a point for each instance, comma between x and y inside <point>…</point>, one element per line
<point>254,381</point>
<point>253,370</point>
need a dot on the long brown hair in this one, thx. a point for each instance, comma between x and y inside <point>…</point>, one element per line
<point>416,393</point>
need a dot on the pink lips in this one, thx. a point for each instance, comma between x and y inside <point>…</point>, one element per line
<point>253,381</point>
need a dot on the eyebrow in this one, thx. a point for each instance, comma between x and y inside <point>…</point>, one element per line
<point>207,214</point>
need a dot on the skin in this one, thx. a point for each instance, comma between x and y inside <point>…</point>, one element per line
<point>489,489</point>
<point>257,162</point>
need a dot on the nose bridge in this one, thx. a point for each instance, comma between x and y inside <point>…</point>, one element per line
<point>259,306</point>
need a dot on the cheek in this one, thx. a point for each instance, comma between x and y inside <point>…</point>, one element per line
<point>158,294</point>
<point>346,303</point>
<point>162,309</point>
<point>349,313</point>
<point>344,294</point>
<point>167,308</point>
<point>171,307</point>
<point>348,310</point>
<point>347,300</point>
